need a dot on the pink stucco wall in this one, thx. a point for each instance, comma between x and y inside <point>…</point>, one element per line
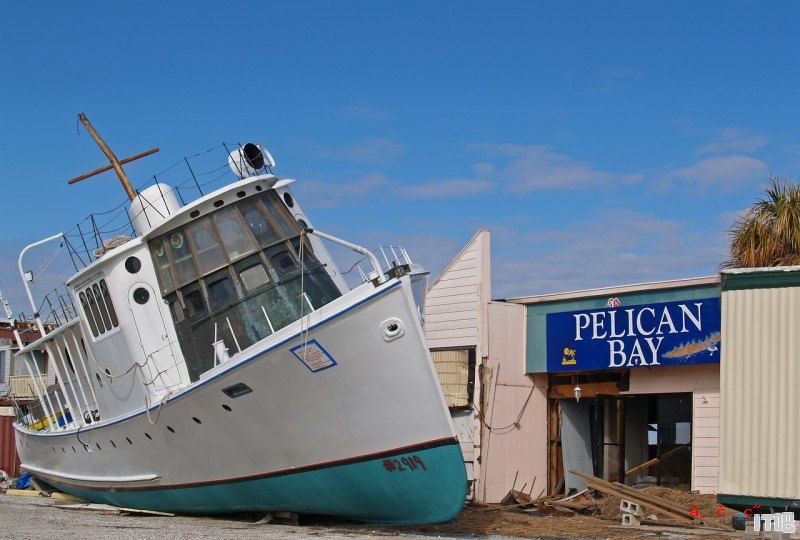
<point>511,397</point>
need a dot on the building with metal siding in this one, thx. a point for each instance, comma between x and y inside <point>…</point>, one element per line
<point>760,378</point>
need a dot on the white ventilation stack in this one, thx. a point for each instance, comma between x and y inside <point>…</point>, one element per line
<point>152,206</point>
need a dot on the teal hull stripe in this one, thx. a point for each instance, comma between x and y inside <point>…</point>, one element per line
<point>365,491</point>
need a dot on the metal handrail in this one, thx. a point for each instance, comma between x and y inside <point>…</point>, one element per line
<point>377,275</point>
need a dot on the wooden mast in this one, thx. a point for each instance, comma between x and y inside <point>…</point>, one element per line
<point>116,164</point>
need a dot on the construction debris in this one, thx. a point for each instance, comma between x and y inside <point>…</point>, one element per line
<point>516,498</point>
<point>657,504</point>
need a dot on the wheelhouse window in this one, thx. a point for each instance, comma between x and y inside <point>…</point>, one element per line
<point>98,308</point>
<point>209,251</point>
<point>231,229</point>
<point>220,289</point>
<point>185,269</point>
<point>252,273</point>
<point>262,230</point>
<point>162,265</point>
<point>235,274</point>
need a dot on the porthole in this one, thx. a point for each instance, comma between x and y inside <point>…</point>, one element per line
<point>226,408</point>
<point>63,451</point>
<point>148,436</point>
<point>129,441</point>
<point>98,446</point>
<point>194,214</point>
<point>141,296</point>
<point>302,223</point>
<point>287,198</point>
<point>217,204</point>
<point>112,444</point>
<point>74,451</point>
<point>133,264</point>
<point>169,428</point>
<point>259,188</point>
<point>196,420</point>
<point>240,194</point>
<point>99,379</point>
<point>108,372</point>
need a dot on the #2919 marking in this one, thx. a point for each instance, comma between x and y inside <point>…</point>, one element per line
<point>408,463</point>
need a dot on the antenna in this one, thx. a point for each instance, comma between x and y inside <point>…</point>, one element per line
<point>116,164</point>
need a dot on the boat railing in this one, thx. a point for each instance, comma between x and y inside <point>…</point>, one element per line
<point>73,400</point>
<point>189,178</point>
<point>391,257</point>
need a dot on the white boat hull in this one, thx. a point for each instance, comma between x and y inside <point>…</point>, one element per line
<point>367,437</point>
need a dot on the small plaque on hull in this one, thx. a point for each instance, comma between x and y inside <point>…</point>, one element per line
<point>313,356</point>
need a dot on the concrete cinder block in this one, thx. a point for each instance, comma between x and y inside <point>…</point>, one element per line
<point>629,520</point>
<point>631,508</point>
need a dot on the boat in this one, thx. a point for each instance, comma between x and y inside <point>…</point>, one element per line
<point>216,360</point>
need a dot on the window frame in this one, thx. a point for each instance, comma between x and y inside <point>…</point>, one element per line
<point>95,308</point>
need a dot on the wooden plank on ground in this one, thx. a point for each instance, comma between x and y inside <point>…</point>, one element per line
<point>66,497</point>
<point>24,492</point>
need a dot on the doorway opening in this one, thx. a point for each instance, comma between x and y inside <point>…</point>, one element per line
<point>637,440</point>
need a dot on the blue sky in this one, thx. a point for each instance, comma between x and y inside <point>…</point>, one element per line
<point>601,143</point>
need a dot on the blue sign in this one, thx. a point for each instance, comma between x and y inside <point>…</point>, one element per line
<point>664,334</point>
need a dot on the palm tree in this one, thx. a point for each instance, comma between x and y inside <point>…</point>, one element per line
<point>769,232</point>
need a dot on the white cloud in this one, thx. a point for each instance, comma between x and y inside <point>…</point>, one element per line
<point>457,187</point>
<point>612,249</point>
<point>319,194</point>
<point>734,140</point>
<point>374,149</point>
<point>727,173</point>
<point>368,150</point>
<point>536,167</point>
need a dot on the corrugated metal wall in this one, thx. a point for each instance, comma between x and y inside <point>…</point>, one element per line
<point>9,461</point>
<point>760,405</point>
<point>453,370</point>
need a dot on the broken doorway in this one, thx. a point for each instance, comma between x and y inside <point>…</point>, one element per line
<point>636,440</point>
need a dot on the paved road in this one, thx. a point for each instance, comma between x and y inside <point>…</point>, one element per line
<point>35,518</point>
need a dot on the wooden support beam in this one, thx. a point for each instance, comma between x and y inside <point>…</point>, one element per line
<point>655,460</point>
<point>109,167</point>
<point>115,164</point>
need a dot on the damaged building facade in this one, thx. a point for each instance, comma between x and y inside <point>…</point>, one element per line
<point>621,382</point>
<point>632,382</point>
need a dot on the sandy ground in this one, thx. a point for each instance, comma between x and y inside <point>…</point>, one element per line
<point>39,517</point>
